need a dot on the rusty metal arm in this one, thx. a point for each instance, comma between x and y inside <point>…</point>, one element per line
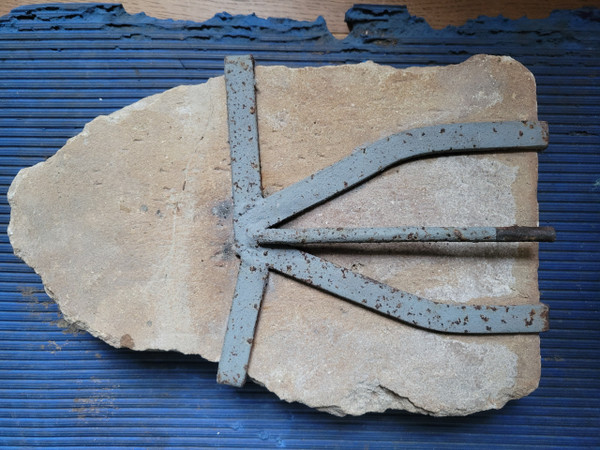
<point>246,191</point>
<point>241,324</point>
<point>406,307</point>
<point>300,236</point>
<point>366,162</point>
<point>243,138</point>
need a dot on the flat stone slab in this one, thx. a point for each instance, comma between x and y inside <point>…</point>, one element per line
<point>129,225</point>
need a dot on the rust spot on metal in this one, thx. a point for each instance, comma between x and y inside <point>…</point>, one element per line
<point>544,316</point>
<point>459,235</point>
<point>525,234</point>
<point>529,322</point>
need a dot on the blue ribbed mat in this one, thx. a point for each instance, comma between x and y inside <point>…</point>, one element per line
<point>63,64</point>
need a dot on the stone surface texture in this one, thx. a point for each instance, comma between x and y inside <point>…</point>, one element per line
<point>129,226</point>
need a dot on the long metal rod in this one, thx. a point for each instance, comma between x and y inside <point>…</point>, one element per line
<point>246,191</point>
<point>406,307</point>
<point>243,136</point>
<point>295,236</point>
<point>241,324</point>
<point>366,162</point>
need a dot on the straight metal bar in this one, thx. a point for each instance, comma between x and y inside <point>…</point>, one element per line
<point>406,307</point>
<point>366,162</point>
<point>295,236</point>
<point>243,136</point>
<point>241,325</point>
<point>246,190</point>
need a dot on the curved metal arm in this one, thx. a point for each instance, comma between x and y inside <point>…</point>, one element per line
<point>366,162</point>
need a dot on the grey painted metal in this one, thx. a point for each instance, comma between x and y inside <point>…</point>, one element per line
<point>409,308</point>
<point>295,236</point>
<point>241,324</point>
<point>246,190</point>
<point>257,243</point>
<point>366,162</point>
<point>243,136</point>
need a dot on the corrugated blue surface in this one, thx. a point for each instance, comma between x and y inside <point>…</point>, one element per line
<point>62,65</point>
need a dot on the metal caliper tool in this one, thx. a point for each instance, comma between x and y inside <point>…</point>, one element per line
<point>262,248</point>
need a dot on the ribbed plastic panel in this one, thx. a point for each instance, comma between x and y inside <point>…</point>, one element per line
<point>62,65</point>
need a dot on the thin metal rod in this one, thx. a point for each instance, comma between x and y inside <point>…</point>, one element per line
<point>406,307</point>
<point>295,236</point>
<point>235,354</point>
<point>366,162</point>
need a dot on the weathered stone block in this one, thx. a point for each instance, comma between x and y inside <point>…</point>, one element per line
<point>129,226</point>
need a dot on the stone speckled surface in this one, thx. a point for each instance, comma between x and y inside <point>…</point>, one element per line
<point>129,226</point>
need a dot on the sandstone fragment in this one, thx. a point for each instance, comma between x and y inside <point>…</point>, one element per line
<point>129,226</point>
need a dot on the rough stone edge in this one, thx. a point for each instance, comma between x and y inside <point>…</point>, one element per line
<point>404,402</point>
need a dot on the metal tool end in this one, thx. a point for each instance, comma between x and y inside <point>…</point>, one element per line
<point>243,133</point>
<point>525,234</point>
<point>340,235</point>
<point>545,133</point>
<point>235,354</point>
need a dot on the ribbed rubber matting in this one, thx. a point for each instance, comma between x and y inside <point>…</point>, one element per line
<point>62,65</point>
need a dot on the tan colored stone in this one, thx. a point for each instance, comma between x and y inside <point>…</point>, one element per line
<point>129,226</point>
